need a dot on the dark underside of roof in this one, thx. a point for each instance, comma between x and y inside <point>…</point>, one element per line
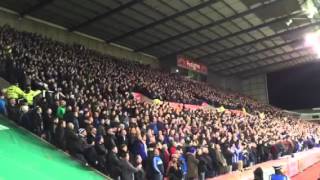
<point>232,37</point>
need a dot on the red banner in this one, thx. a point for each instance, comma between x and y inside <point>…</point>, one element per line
<point>188,106</point>
<point>178,106</point>
<point>188,63</point>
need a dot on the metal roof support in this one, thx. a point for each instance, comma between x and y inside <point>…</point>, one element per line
<point>261,68</point>
<point>253,53</point>
<point>290,59</point>
<point>163,20</point>
<point>299,28</point>
<point>104,15</point>
<point>207,26</point>
<point>34,8</point>
<point>270,57</point>
<point>233,34</point>
<point>256,52</point>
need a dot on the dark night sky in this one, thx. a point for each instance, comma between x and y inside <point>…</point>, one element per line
<point>295,88</point>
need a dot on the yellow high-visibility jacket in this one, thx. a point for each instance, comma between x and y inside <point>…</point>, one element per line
<point>14,92</point>
<point>29,96</point>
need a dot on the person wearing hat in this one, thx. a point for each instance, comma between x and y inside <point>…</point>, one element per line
<point>89,149</point>
<point>278,174</point>
<point>73,142</point>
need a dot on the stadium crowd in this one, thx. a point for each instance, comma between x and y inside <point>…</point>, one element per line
<point>81,101</point>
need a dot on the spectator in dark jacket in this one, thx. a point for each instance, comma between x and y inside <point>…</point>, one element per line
<point>110,139</point>
<point>252,156</point>
<point>262,152</point>
<point>59,137</point>
<point>258,174</point>
<point>140,175</point>
<point>99,145</point>
<point>209,163</point>
<point>74,144</point>
<point>140,147</point>
<point>101,152</point>
<point>127,169</point>
<point>212,154</point>
<point>122,138</point>
<point>192,164</point>
<point>36,123</point>
<point>221,161</point>
<point>101,128</point>
<point>25,117</point>
<point>174,171</point>
<point>48,125</point>
<point>13,110</point>
<point>275,151</point>
<point>112,165</point>
<point>73,117</point>
<point>68,116</point>
<point>91,137</point>
<point>202,166</point>
<point>88,149</point>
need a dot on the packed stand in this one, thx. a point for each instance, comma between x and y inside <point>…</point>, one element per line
<point>80,101</point>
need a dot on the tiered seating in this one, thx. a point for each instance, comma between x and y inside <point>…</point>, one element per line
<point>89,112</point>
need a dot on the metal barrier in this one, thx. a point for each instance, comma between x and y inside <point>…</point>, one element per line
<point>291,166</point>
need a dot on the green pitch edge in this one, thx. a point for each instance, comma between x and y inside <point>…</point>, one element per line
<point>25,156</point>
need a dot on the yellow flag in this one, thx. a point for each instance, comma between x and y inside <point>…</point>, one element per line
<point>157,101</point>
<point>221,109</point>
<point>244,111</point>
<point>261,115</point>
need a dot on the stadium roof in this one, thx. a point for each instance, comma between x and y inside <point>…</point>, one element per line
<point>233,37</point>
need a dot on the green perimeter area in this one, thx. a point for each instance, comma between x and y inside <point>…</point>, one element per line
<point>24,156</point>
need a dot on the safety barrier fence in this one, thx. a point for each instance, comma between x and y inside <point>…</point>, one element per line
<point>291,166</point>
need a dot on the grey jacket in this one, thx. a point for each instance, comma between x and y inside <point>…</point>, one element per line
<point>127,170</point>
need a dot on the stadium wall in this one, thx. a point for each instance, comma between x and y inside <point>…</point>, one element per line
<point>310,116</point>
<point>59,33</point>
<point>225,83</point>
<point>255,86</point>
